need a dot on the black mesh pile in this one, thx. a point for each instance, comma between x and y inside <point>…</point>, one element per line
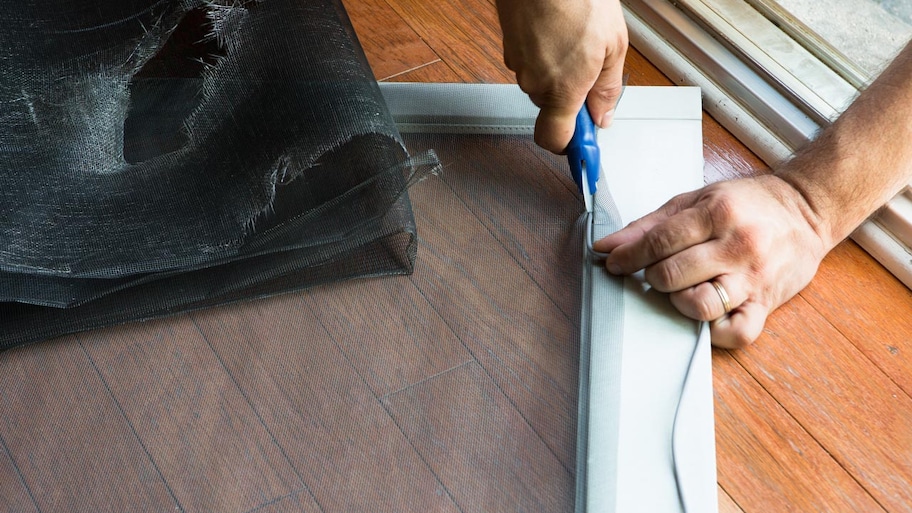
<point>158,156</point>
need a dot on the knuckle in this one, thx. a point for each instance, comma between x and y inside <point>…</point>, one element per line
<point>705,308</point>
<point>677,204</point>
<point>696,306</point>
<point>541,85</point>
<point>609,93</point>
<point>722,210</point>
<point>620,42</point>
<point>659,244</point>
<point>664,276</point>
<point>749,244</point>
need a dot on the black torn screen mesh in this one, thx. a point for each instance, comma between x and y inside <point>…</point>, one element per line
<point>453,389</point>
<point>252,155</point>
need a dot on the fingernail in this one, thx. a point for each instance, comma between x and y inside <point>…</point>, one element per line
<point>607,119</point>
<point>613,268</point>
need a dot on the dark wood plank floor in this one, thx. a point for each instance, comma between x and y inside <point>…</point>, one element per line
<point>447,390</point>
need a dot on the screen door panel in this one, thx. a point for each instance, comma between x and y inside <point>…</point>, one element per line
<point>453,389</point>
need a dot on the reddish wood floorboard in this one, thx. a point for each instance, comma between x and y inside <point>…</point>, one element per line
<point>862,407</point>
<point>877,321</point>
<point>726,503</point>
<point>440,72</point>
<point>463,33</point>
<point>766,460</point>
<point>392,47</point>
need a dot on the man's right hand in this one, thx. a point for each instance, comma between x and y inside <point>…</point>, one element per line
<point>565,52</point>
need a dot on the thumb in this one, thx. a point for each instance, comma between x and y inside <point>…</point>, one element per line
<point>606,91</point>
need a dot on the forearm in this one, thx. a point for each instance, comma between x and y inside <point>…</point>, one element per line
<point>862,160</point>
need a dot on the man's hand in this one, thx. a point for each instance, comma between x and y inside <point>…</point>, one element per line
<point>757,237</point>
<point>762,238</point>
<point>565,52</point>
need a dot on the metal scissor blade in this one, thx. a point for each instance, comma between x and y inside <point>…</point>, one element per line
<point>587,196</point>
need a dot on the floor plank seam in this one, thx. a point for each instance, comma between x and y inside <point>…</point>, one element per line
<point>348,360</point>
<point>424,40</point>
<point>427,464</point>
<point>808,432</point>
<point>123,414</point>
<point>864,355</point>
<point>416,68</point>
<point>282,498</point>
<point>25,485</point>
<point>726,492</point>
<point>507,250</point>
<point>258,415</point>
<point>464,72</point>
<point>497,385</point>
<point>856,346</point>
<point>537,285</point>
<point>379,399</point>
<point>563,178</point>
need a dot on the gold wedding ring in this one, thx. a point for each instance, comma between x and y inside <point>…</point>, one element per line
<point>726,304</point>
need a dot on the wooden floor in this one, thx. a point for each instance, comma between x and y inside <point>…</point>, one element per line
<point>407,394</point>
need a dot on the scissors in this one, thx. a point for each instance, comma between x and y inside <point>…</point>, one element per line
<point>584,156</point>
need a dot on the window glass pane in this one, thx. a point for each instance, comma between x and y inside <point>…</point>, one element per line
<point>867,32</point>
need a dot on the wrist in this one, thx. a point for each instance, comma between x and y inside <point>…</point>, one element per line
<point>862,160</point>
<point>804,200</point>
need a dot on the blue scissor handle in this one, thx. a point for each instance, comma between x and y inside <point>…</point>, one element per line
<point>583,151</point>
